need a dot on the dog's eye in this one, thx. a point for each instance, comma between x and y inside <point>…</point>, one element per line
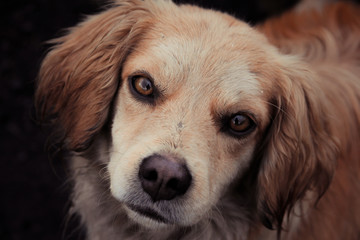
<point>241,124</point>
<point>142,85</point>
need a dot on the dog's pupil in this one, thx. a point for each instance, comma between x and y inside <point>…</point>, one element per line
<point>143,86</point>
<point>239,119</point>
<point>239,123</point>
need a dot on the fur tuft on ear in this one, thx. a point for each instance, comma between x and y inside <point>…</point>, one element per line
<point>78,78</point>
<point>299,152</point>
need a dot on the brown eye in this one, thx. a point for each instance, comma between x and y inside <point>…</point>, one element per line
<point>241,123</point>
<point>142,85</point>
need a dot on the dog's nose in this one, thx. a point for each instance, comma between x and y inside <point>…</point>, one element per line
<point>164,178</point>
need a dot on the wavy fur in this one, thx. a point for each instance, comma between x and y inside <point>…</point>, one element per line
<point>298,75</point>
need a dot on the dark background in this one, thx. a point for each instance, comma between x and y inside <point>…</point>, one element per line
<point>34,196</point>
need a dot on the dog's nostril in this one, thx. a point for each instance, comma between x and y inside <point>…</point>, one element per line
<point>164,178</point>
<point>172,184</point>
<point>150,175</point>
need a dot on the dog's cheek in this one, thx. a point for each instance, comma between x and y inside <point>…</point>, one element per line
<point>121,166</point>
<point>123,169</point>
<point>230,165</point>
<point>127,124</point>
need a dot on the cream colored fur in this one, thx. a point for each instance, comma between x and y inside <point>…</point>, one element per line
<point>297,76</point>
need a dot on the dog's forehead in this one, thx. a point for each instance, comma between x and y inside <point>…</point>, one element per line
<point>215,52</point>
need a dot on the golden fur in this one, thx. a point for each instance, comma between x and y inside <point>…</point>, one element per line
<point>297,75</point>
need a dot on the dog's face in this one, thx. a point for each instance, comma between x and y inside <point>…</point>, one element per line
<point>190,98</point>
<point>196,95</point>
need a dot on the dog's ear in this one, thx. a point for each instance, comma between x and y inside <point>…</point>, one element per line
<point>298,152</point>
<point>79,76</point>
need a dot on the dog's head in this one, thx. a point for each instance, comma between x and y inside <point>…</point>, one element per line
<point>199,100</point>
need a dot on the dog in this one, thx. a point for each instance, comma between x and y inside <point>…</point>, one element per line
<point>186,123</point>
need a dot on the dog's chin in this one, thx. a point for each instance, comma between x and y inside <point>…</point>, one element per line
<point>147,217</point>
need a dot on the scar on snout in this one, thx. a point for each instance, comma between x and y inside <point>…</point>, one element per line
<point>180,125</point>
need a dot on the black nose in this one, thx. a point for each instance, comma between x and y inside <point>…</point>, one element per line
<point>164,178</point>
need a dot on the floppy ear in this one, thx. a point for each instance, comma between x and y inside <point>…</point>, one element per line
<point>299,151</point>
<point>79,76</point>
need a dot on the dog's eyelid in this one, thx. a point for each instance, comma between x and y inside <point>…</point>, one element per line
<point>142,73</point>
<point>251,115</point>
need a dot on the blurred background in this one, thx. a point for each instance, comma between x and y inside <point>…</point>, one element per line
<point>34,193</point>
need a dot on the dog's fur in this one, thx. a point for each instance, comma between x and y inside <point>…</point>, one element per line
<point>296,75</point>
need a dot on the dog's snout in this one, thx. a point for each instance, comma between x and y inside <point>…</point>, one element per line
<point>164,178</point>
